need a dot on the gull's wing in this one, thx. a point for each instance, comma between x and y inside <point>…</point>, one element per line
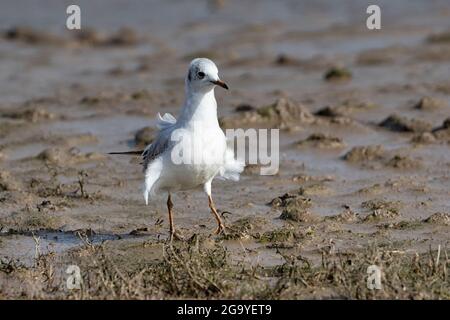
<point>161,143</point>
<point>153,164</point>
<point>157,147</point>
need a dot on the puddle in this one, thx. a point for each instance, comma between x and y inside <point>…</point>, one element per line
<point>26,151</point>
<point>22,246</point>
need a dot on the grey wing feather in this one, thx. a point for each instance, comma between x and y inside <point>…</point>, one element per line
<point>153,150</point>
<point>166,124</point>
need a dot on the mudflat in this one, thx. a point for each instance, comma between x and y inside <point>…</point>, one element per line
<point>364,119</point>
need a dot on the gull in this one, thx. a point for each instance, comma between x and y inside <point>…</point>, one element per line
<point>189,152</point>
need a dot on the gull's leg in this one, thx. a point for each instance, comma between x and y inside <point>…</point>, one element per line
<point>173,233</point>
<point>169,208</point>
<point>220,225</point>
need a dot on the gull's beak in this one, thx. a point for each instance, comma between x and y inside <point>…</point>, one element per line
<point>220,83</point>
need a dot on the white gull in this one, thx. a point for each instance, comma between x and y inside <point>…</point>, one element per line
<point>190,152</point>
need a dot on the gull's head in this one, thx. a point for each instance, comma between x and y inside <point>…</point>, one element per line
<point>203,76</point>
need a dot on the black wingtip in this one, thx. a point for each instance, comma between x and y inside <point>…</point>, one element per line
<point>139,152</point>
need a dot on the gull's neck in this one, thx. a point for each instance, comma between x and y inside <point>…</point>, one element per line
<point>200,107</point>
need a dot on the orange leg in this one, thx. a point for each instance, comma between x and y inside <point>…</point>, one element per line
<point>173,233</point>
<point>220,225</point>
<point>170,207</point>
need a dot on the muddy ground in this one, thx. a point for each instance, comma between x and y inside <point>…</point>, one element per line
<point>364,150</point>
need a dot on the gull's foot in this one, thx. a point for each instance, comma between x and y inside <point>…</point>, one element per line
<point>220,230</point>
<point>175,235</point>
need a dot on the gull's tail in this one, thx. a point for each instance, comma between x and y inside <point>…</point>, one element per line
<point>152,174</point>
<point>232,167</point>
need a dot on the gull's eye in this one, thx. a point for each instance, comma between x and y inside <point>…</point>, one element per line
<point>201,75</point>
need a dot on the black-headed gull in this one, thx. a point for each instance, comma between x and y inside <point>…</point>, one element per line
<point>190,152</point>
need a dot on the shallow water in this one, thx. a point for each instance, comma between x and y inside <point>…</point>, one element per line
<point>24,247</point>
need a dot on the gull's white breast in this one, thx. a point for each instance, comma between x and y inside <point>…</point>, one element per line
<point>205,151</point>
